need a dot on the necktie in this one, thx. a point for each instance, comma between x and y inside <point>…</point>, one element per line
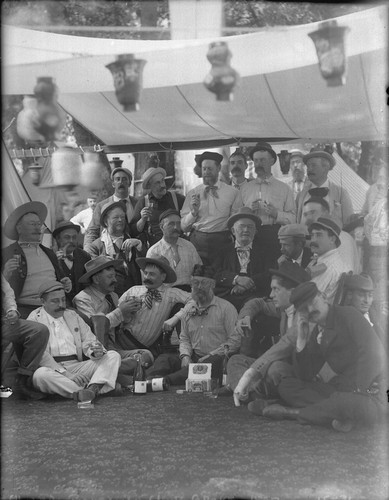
<point>176,255</point>
<point>244,258</point>
<point>150,296</point>
<point>211,190</point>
<point>111,304</point>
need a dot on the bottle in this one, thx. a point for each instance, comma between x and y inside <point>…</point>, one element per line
<point>140,386</point>
<point>225,361</point>
<point>157,384</point>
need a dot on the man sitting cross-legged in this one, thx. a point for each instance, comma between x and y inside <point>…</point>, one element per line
<point>252,378</point>
<point>62,370</point>
<point>339,367</point>
<point>207,326</point>
<point>99,298</point>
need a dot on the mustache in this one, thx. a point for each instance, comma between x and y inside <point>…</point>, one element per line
<point>60,309</point>
<point>236,170</point>
<point>121,186</point>
<point>147,282</point>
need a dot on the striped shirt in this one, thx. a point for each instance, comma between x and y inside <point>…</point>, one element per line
<point>188,258</point>
<point>207,334</point>
<point>146,324</point>
<point>214,212</point>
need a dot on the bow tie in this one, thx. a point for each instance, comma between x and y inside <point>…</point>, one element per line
<point>320,192</point>
<point>243,249</point>
<point>150,296</point>
<point>212,190</point>
<point>199,312</point>
<point>69,257</point>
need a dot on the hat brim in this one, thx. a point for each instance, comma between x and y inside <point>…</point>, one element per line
<point>123,169</point>
<point>231,221</point>
<point>171,276</point>
<point>146,180</point>
<point>67,226</point>
<point>359,222</point>
<point>328,228</point>
<point>35,207</point>
<point>113,263</point>
<point>320,154</point>
<point>110,207</point>
<point>271,151</point>
<point>277,272</point>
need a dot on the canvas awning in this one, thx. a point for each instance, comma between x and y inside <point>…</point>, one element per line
<point>281,94</point>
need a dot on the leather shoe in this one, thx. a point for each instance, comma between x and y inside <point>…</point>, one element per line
<point>279,412</point>
<point>257,406</point>
<point>342,426</point>
<point>84,395</point>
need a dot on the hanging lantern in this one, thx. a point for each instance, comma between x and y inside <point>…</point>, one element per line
<point>127,75</point>
<point>116,162</point>
<point>66,166</point>
<point>284,159</point>
<point>329,43</point>
<point>92,170</point>
<point>35,172</point>
<point>222,78</point>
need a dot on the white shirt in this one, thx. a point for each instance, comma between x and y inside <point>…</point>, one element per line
<point>61,341</point>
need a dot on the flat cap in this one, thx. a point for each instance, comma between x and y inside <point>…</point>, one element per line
<point>169,211</point>
<point>123,169</point>
<point>359,282</point>
<point>303,294</point>
<point>296,230</point>
<point>50,286</point>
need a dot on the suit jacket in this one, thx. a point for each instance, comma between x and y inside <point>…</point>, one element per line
<point>94,229</point>
<point>80,259</point>
<point>82,334</point>
<point>305,260</point>
<point>18,277</point>
<point>341,206</point>
<point>349,346</point>
<point>227,267</point>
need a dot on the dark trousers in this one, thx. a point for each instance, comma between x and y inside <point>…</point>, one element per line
<point>209,245</point>
<point>169,366</point>
<point>25,310</point>
<point>29,339</point>
<point>300,393</point>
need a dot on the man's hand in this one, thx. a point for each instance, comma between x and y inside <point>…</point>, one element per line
<point>302,325</point>
<point>241,392</point>
<point>245,282</point>
<point>12,317</point>
<point>271,210</point>
<point>185,361</point>
<point>10,266</point>
<point>67,283</point>
<point>169,324</point>
<point>203,359</point>
<point>130,306</point>
<point>146,213</point>
<point>78,378</point>
<point>194,204</point>
<point>97,350</point>
<point>237,290</point>
<point>243,326</point>
<point>130,243</point>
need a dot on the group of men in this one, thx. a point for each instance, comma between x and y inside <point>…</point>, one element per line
<point>221,265</point>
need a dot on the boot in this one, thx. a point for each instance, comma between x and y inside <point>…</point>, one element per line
<point>279,412</point>
<point>23,389</point>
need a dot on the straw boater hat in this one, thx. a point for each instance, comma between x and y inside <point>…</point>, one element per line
<point>263,146</point>
<point>244,213</point>
<point>161,262</point>
<point>123,169</point>
<point>96,265</point>
<point>291,271</point>
<point>33,207</point>
<point>108,207</point>
<point>320,154</point>
<point>296,152</point>
<point>66,224</point>
<point>150,172</point>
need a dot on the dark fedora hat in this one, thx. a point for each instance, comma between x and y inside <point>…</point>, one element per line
<point>66,224</point>
<point>161,262</point>
<point>110,206</point>
<point>291,271</point>
<point>327,223</point>
<point>244,213</point>
<point>210,155</point>
<point>96,265</point>
<point>263,146</point>
<point>33,207</point>
<point>303,294</point>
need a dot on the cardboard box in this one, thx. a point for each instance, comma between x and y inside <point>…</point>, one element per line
<point>199,377</point>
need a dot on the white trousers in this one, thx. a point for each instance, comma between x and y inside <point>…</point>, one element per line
<point>99,371</point>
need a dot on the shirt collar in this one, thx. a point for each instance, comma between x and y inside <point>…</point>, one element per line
<point>97,292</point>
<point>269,179</point>
<point>327,254</point>
<point>250,246</point>
<point>49,318</point>
<point>116,198</point>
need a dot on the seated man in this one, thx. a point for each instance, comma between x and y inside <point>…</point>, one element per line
<point>70,256</point>
<point>339,367</point>
<point>180,253</point>
<point>242,267</point>
<point>293,239</point>
<point>62,370</point>
<point>114,242</point>
<point>99,298</point>
<point>207,326</point>
<point>252,378</point>
<point>26,263</point>
<point>29,340</point>
<point>156,302</point>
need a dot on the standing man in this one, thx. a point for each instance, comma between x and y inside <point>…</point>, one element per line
<point>121,181</point>
<point>62,369</point>
<point>26,263</point>
<point>298,170</point>
<point>293,239</point>
<point>319,163</point>
<point>114,242</point>
<point>156,302</point>
<point>327,265</point>
<point>207,327</point>
<point>71,258</point>
<point>339,367</point>
<point>84,217</point>
<point>145,222</point>
<point>237,166</point>
<point>242,267</point>
<point>180,253</point>
<point>207,208</point>
<point>271,199</point>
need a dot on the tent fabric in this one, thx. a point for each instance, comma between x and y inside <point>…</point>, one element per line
<point>281,95</point>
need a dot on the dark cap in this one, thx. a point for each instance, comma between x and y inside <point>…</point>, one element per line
<point>203,271</point>
<point>303,294</point>
<point>244,213</point>
<point>210,155</point>
<point>66,224</point>
<point>292,231</point>
<point>320,201</point>
<point>263,146</point>
<point>327,223</point>
<point>169,211</point>
<point>292,272</point>
<point>359,282</point>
